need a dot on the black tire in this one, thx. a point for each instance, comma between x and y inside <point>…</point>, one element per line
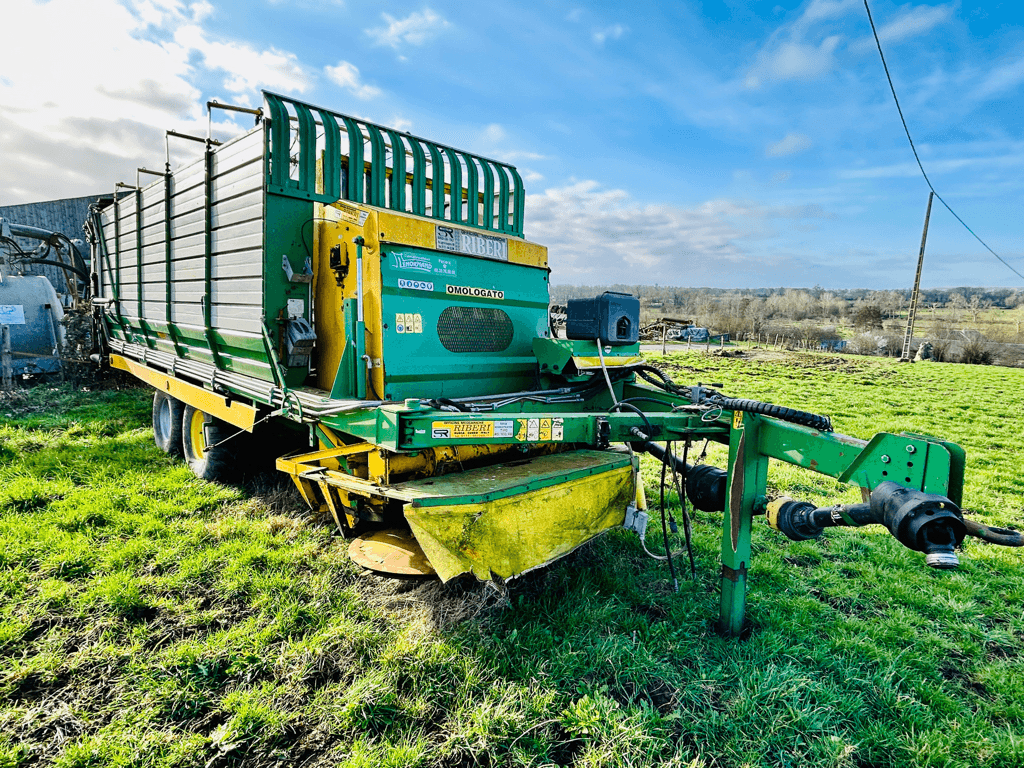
<point>168,413</point>
<point>207,456</point>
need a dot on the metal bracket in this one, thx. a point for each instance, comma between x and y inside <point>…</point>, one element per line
<point>307,271</point>
<point>636,520</point>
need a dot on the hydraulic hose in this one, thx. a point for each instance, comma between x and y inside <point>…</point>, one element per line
<point>781,412</point>
<point>705,484</point>
<point>660,379</point>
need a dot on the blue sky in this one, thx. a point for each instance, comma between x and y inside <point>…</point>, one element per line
<point>727,144</point>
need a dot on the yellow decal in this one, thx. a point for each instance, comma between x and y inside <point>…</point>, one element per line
<point>737,420</point>
<point>349,213</point>
<point>521,431</point>
<point>457,430</point>
<point>477,293</point>
<point>545,430</point>
<point>407,322</point>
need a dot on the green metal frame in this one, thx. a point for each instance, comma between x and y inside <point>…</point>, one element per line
<point>915,461</point>
<point>466,177</point>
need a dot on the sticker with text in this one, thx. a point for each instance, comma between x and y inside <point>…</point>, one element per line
<point>476,293</point>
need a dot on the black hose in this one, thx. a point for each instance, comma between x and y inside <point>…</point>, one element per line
<point>52,263</point>
<point>687,523</point>
<point>780,412</point>
<point>664,525</point>
<point>638,412</point>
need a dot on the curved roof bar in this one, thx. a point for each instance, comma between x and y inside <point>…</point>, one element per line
<point>292,155</point>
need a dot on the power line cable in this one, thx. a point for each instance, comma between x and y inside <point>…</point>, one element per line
<point>914,149</point>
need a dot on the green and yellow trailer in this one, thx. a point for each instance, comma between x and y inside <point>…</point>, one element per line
<point>375,291</point>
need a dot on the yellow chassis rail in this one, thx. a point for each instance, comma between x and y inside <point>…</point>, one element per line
<point>239,414</point>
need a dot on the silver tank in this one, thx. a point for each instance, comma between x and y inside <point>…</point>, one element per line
<point>30,308</point>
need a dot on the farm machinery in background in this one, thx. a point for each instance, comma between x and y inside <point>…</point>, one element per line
<point>36,321</point>
<point>375,290</point>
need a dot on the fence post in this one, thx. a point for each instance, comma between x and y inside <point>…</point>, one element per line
<point>5,356</point>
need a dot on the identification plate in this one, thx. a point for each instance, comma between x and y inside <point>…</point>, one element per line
<point>12,314</point>
<point>461,241</point>
<point>461,430</point>
<point>346,212</point>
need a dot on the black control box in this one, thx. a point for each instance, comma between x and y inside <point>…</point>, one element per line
<point>614,318</point>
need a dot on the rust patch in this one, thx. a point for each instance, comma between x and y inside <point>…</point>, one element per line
<point>734,574</point>
<point>736,492</point>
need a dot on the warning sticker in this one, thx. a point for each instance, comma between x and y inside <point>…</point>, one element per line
<point>408,322</point>
<point>461,430</point>
<point>540,430</point>
<point>349,213</point>
<point>477,293</point>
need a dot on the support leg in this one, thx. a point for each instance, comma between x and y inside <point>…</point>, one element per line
<point>748,477</point>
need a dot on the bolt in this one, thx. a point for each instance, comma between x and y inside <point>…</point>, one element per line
<point>886,459</point>
<point>911,449</point>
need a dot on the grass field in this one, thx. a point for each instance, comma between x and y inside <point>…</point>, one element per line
<point>150,619</point>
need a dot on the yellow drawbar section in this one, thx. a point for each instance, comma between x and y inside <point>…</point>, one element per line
<point>507,519</point>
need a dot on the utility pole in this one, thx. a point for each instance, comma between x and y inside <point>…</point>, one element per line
<point>912,315</point>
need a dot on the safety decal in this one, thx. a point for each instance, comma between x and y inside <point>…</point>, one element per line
<point>737,420</point>
<point>477,293</point>
<point>407,322</point>
<point>461,430</point>
<point>540,430</point>
<point>416,285</point>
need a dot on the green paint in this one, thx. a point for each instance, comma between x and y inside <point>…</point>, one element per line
<point>384,163</point>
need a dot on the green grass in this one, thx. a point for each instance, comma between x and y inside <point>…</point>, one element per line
<point>151,619</point>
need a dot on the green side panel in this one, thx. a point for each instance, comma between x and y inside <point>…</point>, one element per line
<point>459,345</point>
<point>287,231</point>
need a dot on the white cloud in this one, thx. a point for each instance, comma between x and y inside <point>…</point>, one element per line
<point>346,75</point>
<point>909,22</point>
<point>801,49</point>
<point>414,29</point>
<point>493,134</point>
<point>246,68</point>
<point>1012,156</point>
<point>603,236</point>
<point>76,123</point>
<point>1002,78</point>
<point>614,32</point>
<point>792,144</point>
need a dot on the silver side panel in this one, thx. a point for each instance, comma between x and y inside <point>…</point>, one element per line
<point>236,243</point>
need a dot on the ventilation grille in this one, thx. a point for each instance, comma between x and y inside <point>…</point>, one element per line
<point>474,329</point>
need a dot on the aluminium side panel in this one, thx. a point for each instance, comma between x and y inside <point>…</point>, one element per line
<point>211,307</point>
